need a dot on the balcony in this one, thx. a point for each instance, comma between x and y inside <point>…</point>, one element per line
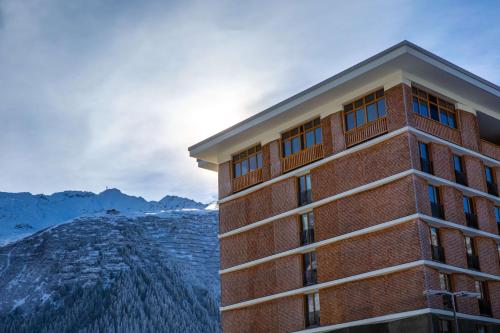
<point>437,210</point>
<point>471,220</point>
<point>492,188</point>
<point>437,129</point>
<point>490,149</point>
<point>307,237</point>
<point>472,262</point>
<point>301,158</point>
<point>461,177</point>
<point>251,178</point>
<point>437,253</point>
<point>484,307</point>
<point>426,166</point>
<point>366,132</point>
<point>310,277</point>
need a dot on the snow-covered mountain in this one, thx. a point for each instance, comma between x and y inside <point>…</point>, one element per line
<point>110,272</point>
<point>22,214</point>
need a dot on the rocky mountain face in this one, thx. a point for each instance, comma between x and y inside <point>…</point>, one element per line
<point>114,272</point>
<point>22,214</point>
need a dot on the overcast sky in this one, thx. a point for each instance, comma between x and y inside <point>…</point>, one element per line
<point>97,94</point>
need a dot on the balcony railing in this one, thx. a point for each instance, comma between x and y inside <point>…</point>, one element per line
<point>484,307</point>
<point>365,132</point>
<point>310,277</point>
<point>301,158</point>
<point>437,253</point>
<point>461,177</point>
<point>471,220</point>
<point>307,237</point>
<point>426,166</point>
<point>437,210</point>
<point>472,262</point>
<point>492,188</point>
<point>251,178</point>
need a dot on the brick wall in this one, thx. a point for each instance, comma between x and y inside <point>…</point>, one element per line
<point>469,130</point>
<point>266,240</point>
<point>269,201</point>
<point>442,161</point>
<point>398,292</point>
<point>494,289</point>
<point>485,215</point>
<point>266,279</point>
<point>488,255</point>
<point>225,179</point>
<point>382,160</point>
<point>275,158</point>
<point>396,107</point>
<point>453,243</point>
<point>464,282</point>
<point>475,173</point>
<point>452,200</point>
<point>337,122</point>
<point>282,315</point>
<point>365,209</point>
<point>326,130</point>
<point>389,247</point>
<point>437,129</point>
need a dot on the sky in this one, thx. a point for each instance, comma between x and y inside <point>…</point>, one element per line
<point>110,93</point>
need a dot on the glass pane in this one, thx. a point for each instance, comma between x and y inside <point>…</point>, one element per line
<point>259,160</point>
<point>244,167</point>
<point>309,139</point>
<point>371,111</point>
<point>380,93</point>
<point>444,118</point>
<point>350,121</point>
<point>358,103</point>
<point>381,107</point>
<point>295,145</point>
<point>287,147</point>
<point>468,245</point>
<point>434,112</point>
<point>423,151</point>
<point>497,214</point>
<point>434,237</point>
<point>415,105</point>
<point>360,117</point>
<point>457,163</point>
<point>489,174</point>
<point>305,224</point>
<point>423,109</point>
<point>451,120</point>
<point>308,182</point>
<point>318,137</point>
<point>237,170</point>
<point>466,202</point>
<point>369,98</point>
<point>432,98</point>
<point>432,194</point>
<point>311,219</point>
<point>253,163</point>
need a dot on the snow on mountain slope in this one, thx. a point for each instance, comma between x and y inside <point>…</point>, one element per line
<point>22,214</point>
<point>107,273</point>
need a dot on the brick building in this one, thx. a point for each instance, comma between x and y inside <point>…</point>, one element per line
<point>342,205</point>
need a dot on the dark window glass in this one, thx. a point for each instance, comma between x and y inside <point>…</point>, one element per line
<point>310,268</point>
<point>305,195</point>
<point>467,205</point>
<point>349,121</point>
<point>360,117</point>
<point>307,221</point>
<point>259,160</point>
<point>434,237</point>
<point>237,170</point>
<point>317,134</point>
<point>451,120</point>
<point>415,105</point>
<point>469,246</point>
<point>423,109</point>
<point>309,139</point>
<point>457,163</point>
<point>434,112</point>
<point>497,214</point>
<point>433,194</point>
<point>287,148</point>
<point>244,167</point>
<point>295,145</point>
<point>371,111</point>
<point>489,174</point>
<point>381,107</point>
<point>253,163</point>
<point>424,154</point>
<point>444,326</point>
<point>312,310</point>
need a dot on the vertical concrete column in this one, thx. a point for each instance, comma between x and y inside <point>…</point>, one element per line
<point>475,173</point>
<point>337,130</point>
<point>469,130</point>
<point>225,181</point>
<point>441,161</point>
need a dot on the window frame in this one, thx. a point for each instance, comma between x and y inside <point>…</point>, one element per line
<point>238,159</point>
<point>300,132</point>
<point>306,232</point>
<point>442,104</point>
<point>307,192</point>
<point>362,103</point>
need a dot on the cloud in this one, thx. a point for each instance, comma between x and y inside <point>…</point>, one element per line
<point>112,93</point>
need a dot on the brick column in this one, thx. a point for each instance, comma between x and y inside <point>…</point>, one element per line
<point>326,131</point>
<point>453,204</point>
<point>266,162</point>
<point>485,216</point>
<point>494,289</point>
<point>475,172</point>
<point>275,158</point>
<point>488,255</point>
<point>469,130</point>
<point>337,131</point>
<point>225,184</point>
<point>453,243</point>
<point>397,106</point>
<point>441,161</point>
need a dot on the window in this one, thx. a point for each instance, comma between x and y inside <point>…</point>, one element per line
<point>497,217</point>
<point>472,260</point>
<point>481,329</point>
<point>310,268</point>
<point>305,194</point>
<point>302,137</point>
<point>436,207</point>
<point>436,248</point>
<point>470,216</point>
<point>307,223</point>
<point>364,110</point>
<point>425,160</point>
<point>430,106</point>
<point>247,161</point>
<point>490,181</point>
<point>484,298</point>
<point>444,326</point>
<point>312,309</point>
<point>498,248</point>
<point>445,283</point>
<point>458,167</point>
